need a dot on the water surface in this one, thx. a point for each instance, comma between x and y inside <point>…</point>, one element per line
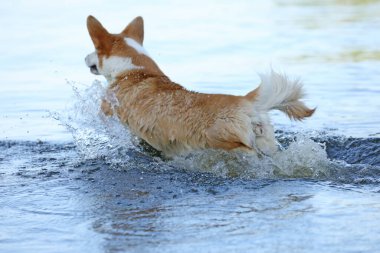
<point>72,181</point>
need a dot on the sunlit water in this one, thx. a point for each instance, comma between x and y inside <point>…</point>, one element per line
<point>72,180</point>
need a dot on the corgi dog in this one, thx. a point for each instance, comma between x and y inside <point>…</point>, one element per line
<point>175,120</point>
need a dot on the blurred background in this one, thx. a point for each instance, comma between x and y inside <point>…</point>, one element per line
<point>207,46</point>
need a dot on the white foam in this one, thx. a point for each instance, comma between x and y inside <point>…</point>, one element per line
<point>135,45</point>
<point>303,158</point>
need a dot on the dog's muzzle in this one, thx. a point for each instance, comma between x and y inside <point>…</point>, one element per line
<point>92,62</point>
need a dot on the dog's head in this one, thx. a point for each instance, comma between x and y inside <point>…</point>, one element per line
<point>116,54</point>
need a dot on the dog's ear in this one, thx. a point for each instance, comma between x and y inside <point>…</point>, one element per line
<point>99,35</point>
<point>135,30</point>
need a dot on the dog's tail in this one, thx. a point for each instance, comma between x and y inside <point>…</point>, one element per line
<point>276,91</point>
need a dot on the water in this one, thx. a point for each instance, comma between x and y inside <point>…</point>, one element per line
<point>73,181</point>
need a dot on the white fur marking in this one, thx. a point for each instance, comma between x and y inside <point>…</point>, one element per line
<point>113,66</point>
<point>92,59</point>
<point>135,45</point>
<point>276,90</point>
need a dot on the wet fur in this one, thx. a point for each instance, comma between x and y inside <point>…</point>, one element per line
<point>175,120</point>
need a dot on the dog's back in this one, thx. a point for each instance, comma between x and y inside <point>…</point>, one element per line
<point>175,120</point>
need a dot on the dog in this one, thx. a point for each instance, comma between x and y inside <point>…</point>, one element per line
<point>174,120</point>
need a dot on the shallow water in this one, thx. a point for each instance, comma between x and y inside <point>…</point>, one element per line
<point>74,181</point>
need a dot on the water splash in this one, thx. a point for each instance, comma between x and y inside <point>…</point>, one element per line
<point>304,156</point>
<point>95,135</point>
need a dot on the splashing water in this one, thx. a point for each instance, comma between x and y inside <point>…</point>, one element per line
<point>98,136</point>
<point>303,158</point>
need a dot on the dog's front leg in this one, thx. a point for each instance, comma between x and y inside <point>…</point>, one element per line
<point>106,107</point>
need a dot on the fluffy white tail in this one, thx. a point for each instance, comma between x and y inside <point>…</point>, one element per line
<point>276,91</point>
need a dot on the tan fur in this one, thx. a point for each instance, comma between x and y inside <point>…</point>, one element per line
<point>171,118</point>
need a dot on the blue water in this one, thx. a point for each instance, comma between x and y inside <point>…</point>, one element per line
<point>71,181</point>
